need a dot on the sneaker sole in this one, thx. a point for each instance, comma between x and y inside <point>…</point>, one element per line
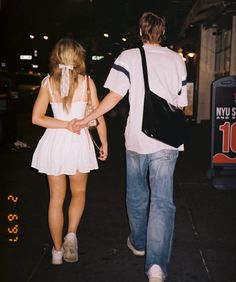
<point>154,279</point>
<point>70,252</point>
<point>57,262</point>
<point>134,251</point>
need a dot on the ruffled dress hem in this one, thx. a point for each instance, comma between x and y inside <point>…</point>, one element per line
<point>63,172</point>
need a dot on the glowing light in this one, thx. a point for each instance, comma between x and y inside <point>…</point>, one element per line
<point>45,37</point>
<point>124,39</point>
<point>97,58</point>
<point>191,54</point>
<point>31,36</point>
<point>106,35</point>
<point>25,57</point>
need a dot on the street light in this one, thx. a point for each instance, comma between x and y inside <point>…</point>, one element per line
<point>191,54</point>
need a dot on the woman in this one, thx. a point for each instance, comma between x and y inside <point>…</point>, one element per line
<point>60,152</point>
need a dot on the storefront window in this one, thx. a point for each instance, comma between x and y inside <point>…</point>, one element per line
<point>223,50</point>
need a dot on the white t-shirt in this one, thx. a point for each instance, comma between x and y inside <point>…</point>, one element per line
<point>167,78</point>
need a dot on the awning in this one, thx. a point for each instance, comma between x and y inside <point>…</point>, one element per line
<point>204,11</point>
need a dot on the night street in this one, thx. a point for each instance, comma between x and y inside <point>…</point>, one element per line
<point>75,53</point>
<point>204,243</point>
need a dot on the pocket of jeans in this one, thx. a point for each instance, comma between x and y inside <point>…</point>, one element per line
<point>171,154</point>
<point>132,153</point>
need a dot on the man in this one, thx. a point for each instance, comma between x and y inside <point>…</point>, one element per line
<point>151,217</point>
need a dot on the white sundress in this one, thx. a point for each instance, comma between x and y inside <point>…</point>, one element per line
<point>60,151</point>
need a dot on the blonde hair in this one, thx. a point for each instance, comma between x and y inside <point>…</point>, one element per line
<point>152,28</point>
<point>67,52</point>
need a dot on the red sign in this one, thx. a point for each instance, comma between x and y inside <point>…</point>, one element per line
<point>224,124</point>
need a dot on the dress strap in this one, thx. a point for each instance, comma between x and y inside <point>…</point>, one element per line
<point>46,82</point>
<point>84,88</point>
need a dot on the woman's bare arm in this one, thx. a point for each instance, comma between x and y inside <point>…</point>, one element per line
<point>39,116</point>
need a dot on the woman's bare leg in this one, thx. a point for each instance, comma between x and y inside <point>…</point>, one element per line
<point>57,188</point>
<point>78,184</point>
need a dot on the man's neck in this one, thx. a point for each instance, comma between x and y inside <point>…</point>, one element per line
<point>152,44</point>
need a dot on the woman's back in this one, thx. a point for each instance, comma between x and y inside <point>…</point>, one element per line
<point>78,104</point>
<point>61,151</point>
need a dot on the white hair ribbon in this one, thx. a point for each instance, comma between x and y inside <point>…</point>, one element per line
<point>65,83</point>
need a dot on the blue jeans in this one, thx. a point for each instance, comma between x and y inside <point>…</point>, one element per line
<point>150,206</point>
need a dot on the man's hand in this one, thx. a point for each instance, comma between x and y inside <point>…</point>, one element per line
<point>78,125</point>
<point>70,124</point>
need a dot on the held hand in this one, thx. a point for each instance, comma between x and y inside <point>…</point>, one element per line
<point>103,153</point>
<point>78,125</point>
<point>70,124</point>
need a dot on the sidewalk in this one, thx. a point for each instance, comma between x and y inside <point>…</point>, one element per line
<point>205,232</point>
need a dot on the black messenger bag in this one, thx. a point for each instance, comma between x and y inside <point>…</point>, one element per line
<point>161,120</point>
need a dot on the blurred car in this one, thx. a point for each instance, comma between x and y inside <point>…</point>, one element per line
<point>8,89</point>
<point>28,83</point>
<point>5,90</point>
<point>8,102</point>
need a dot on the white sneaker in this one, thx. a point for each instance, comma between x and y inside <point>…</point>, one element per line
<point>155,274</point>
<point>57,256</point>
<point>70,246</point>
<point>133,250</point>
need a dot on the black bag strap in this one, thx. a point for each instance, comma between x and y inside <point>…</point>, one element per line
<point>144,64</point>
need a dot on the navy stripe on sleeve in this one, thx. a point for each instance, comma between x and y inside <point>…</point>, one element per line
<point>184,82</point>
<point>121,69</point>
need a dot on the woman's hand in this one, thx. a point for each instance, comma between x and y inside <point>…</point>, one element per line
<point>103,151</point>
<point>78,124</point>
<point>71,124</point>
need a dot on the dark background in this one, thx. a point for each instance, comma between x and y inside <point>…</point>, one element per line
<point>85,20</point>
